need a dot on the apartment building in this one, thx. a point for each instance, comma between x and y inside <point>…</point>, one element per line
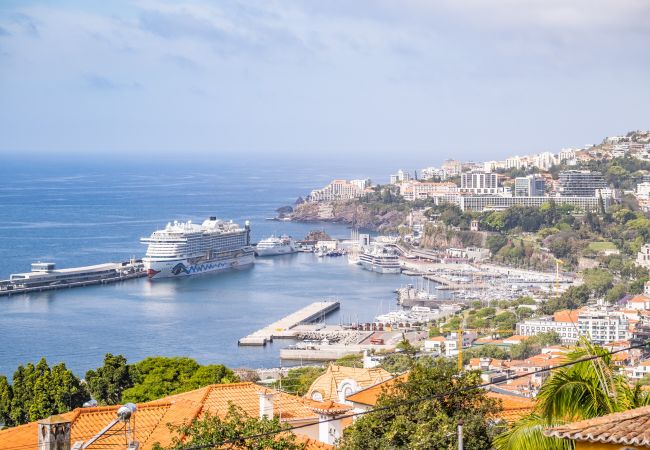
<point>530,186</point>
<point>580,183</point>
<point>336,190</point>
<point>418,190</point>
<point>479,183</point>
<point>600,324</point>
<point>493,202</point>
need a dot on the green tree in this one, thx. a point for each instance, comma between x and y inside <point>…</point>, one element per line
<point>235,425</point>
<point>534,344</point>
<point>5,401</point>
<point>107,382</point>
<point>584,390</point>
<point>352,360</point>
<point>429,424</point>
<point>38,392</point>
<point>599,281</point>
<point>299,380</point>
<point>397,363</point>
<point>157,377</point>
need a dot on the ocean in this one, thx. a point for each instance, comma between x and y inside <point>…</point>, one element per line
<point>78,213</point>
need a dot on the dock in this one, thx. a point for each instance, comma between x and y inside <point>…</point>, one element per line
<point>311,313</point>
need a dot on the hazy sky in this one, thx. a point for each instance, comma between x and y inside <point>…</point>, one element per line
<point>420,79</point>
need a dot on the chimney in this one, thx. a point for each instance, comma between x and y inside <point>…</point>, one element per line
<point>266,403</point>
<point>54,433</point>
<point>330,428</point>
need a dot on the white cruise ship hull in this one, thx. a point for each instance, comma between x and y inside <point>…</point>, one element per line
<point>177,268</point>
<point>378,268</point>
<point>274,251</point>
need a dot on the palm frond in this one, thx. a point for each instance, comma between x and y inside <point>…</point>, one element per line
<point>527,433</point>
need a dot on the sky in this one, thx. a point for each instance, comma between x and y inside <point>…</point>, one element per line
<point>411,80</point>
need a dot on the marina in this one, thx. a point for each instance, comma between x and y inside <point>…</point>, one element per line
<point>284,328</point>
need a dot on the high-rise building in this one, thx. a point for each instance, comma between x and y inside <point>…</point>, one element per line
<point>530,186</point>
<point>399,177</point>
<point>479,183</point>
<point>580,183</point>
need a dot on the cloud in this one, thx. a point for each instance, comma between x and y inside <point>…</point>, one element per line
<point>102,83</point>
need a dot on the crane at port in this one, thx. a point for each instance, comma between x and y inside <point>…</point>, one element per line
<point>459,342</point>
<point>557,273</point>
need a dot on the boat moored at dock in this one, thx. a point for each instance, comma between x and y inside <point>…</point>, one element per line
<point>380,258</point>
<point>273,246</point>
<point>184,248</point>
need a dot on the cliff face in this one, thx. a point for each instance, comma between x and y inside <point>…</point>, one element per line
<point>439,237</point>
<point>362,215</point>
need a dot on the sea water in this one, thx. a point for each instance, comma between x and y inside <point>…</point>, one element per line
<point>75,214</point>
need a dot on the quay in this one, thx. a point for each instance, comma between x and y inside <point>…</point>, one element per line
<point>282,328</point>
<point>46,277</point>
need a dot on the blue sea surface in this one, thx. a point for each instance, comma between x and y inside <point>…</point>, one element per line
<point>84,213</point>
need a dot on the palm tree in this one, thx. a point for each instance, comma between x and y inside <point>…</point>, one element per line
<point>580,391</point>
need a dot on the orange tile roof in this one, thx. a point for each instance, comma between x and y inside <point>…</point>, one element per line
<point>630,428</point>
<point>567,315</point>
<point>330,383</point>
<point>152,418</point>
<point>513,407</point>
<point>370,395</point>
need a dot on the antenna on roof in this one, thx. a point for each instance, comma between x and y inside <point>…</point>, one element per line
<point>124,414</point>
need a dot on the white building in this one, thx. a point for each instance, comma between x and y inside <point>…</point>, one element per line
<point>399,177</point>
<point>566,155</point>
<point>544,160</point>
<point>448,346</point>
<point>452,167</point>
<point>643,257</point>
<point>516,162</point>
<point>643,190</point>
<point>361,184</point>
<point>599,324</point>
<point>432,172</point>
<point>336,190</point>
<point>479,183</point>
<point>418,190</point>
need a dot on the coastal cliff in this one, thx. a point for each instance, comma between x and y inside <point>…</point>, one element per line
<point>370,216</point>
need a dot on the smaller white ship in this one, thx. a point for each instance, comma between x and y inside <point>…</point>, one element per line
<point>273,245</point>
<point>380,258</point>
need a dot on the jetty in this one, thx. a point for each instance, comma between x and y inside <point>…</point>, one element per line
<point>282,328</point>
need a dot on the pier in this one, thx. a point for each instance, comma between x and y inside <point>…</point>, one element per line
<point>282,328</point>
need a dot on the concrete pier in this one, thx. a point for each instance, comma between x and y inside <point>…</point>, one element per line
<point>311,313</point>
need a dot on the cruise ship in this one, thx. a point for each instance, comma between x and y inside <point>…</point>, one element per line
<point>184,248</point>
<point>276,246</point>
<point>380,258</point>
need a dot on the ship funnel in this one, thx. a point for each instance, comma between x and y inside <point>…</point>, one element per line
<point>125,412</point>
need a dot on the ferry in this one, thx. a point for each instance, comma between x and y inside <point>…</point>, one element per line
<point>183,248</point>
<point>272,246</point>
<point>380,258</point>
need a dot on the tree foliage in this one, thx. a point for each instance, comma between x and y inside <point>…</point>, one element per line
<point>584,390</point>
<point>159,376</point>
<point>430,424</point>
<point>38,391</point>
<point>107,382</point>
<point>234,426</point>
<point>299,380</point>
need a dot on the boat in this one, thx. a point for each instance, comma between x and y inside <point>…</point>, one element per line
<point>272,246</point>
<point>380,258</point>
<point>183,248</point>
